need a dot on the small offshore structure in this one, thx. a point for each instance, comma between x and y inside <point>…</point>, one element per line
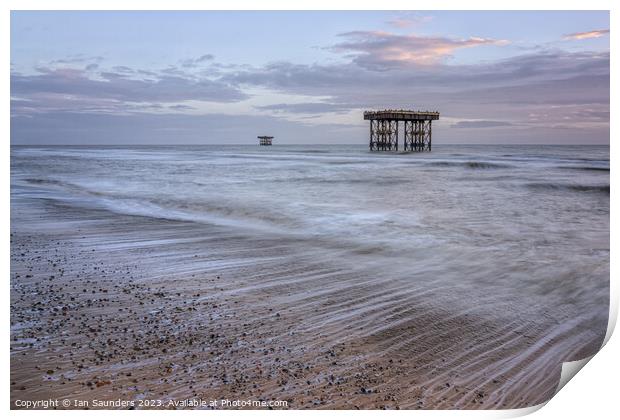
<point>384,129</point>
<point>265,140</point>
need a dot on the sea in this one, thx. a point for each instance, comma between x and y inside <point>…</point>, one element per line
<point>469,197</point>
<point>490,206</point>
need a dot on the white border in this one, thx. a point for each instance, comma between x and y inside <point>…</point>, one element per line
<point>592,395</point>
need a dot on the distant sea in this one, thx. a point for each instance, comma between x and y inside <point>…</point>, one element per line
<point>389,203</point>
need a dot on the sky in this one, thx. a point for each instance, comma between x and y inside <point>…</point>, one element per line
<point>216,77</point>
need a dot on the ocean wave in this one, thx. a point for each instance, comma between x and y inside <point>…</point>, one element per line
<point>312,151</point>
<point>550,186</point>
<point>337,181</point>
<point>470,165</point>
<point>585,168</point>
<point>348,162</point>
<point>63,185</point>
<point>39,181</point>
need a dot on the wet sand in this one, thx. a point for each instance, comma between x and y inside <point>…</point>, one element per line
<point>107,306</point>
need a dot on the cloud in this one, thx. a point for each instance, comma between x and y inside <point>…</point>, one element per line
<point>181,107</point>
<point>586,35</point>
<point>467,91</point>
<point>122,90</point>
<point>584,90</point>
<point>480,124</point>
<point>307,108</point>
<point>123,69</point>
<point>77,58</point>
<point>195,62</point>
<point>543,77</point>
<point>379,50</point>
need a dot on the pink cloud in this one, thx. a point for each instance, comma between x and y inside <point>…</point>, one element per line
<point>379,49</point>
<point>586,35</point>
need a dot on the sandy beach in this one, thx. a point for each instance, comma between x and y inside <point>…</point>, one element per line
<point>115,307</point>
